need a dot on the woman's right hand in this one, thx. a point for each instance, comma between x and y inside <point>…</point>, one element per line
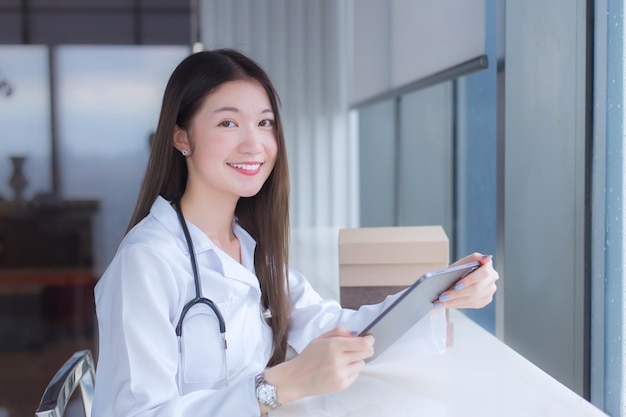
<point>331,362</point>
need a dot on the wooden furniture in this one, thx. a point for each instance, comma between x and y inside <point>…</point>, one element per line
<point>46,271</point>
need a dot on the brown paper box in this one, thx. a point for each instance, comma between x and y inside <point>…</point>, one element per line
<point>390,256</point>
<point>377,261</point>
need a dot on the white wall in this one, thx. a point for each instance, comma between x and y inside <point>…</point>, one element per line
<point>398,42</point>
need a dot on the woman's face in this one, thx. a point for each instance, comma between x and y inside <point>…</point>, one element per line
<point>235,146</point>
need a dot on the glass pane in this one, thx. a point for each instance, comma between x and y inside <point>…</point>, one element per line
<point>24,117</point>
<point>109,102</point>
<point>377,164</point>
<point>425,158</point>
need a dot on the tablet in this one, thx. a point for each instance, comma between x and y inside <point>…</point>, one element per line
<point>412,305</point>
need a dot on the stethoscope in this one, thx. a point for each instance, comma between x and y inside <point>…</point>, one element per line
<point>198,299</point>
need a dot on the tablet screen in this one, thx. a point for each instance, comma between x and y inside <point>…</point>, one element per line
<point>412,305</point>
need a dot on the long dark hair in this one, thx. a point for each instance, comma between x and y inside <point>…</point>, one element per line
<point>266,215</point>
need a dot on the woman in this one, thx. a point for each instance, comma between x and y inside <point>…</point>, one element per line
<point>215,200</point>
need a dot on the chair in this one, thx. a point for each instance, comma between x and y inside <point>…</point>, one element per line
<point>77,370</point>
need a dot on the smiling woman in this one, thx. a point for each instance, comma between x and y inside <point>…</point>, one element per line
<point>207,252</point>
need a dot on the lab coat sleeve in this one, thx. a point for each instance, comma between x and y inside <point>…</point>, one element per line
<point>137,301</point>
<point>312,316</point>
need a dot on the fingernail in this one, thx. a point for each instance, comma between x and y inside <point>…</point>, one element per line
<point>487,256</point>
<point>437,305</point>
<point>354,333</point>
<point>459,286</point>
<point>444,297</point>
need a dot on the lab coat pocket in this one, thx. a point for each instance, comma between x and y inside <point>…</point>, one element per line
<point>202,349</point>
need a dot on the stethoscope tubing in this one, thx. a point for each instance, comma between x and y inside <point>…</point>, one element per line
<point>198,299</point>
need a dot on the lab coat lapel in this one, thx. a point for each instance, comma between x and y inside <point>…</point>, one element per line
<point>243,271</point>
<point>235,270</point>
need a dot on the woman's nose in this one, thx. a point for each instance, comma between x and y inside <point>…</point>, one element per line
<point>252,142</point>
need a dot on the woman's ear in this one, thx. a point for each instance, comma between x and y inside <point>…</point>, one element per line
<point>180,140</point>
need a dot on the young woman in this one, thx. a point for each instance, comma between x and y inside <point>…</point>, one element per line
<point>198,307</point>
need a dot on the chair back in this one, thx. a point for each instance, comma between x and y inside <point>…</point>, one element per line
<point>79,370</point>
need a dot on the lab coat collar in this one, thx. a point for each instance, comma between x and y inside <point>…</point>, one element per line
<point>243,271</point>
<point>165,214</point>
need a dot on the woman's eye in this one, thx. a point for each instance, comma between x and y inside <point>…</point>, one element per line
<point>266,123</point>
<point>227,123</point>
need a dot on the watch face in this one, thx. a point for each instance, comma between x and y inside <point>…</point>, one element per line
<point>265,394</point>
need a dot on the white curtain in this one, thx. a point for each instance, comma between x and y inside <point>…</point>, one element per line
<point>303,45</point>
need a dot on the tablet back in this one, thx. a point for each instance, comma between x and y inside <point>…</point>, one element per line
<point>412,305</point>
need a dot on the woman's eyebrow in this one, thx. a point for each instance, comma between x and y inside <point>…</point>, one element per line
<point>226,108</point>
<point>236,110</point>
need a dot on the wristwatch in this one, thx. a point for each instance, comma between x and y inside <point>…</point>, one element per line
<point>266,393</point>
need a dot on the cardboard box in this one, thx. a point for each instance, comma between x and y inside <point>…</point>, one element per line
<point>377,261</point>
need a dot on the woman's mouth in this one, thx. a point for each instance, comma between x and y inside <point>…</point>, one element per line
<point>247,168</point>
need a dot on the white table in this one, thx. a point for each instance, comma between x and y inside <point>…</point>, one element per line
<point>477,376</point>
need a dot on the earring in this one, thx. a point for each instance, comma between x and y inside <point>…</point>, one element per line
<point>185,152</point>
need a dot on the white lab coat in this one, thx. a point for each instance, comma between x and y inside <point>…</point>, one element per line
<point>139,300</point>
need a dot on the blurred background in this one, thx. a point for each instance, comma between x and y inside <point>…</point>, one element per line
<point>500,121</point>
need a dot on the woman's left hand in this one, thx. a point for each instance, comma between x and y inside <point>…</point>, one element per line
<point>474,290</point>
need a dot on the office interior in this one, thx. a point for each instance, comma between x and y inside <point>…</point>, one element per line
<point>514,145</point>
